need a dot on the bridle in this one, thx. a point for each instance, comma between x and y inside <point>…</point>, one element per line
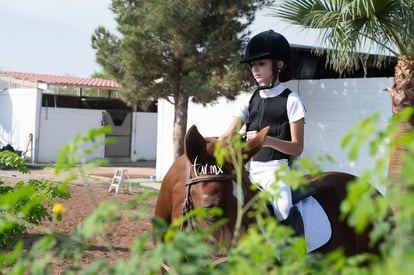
<point>207,178</point>
<point>188,201</point>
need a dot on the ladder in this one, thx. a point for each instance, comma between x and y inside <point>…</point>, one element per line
<point>29,142</point>
<point>118,179</point>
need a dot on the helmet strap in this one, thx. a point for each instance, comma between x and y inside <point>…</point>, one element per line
<point>276,72</point>
<point>267,87</point>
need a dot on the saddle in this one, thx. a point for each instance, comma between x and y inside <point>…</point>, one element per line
<point>302,193</point>
<point>294,218</point>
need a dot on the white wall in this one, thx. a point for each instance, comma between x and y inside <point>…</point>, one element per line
<point>165,147</point>
<point>211,120</point>
<point>58,126</point>
<point>18,117</point>
<point>144,136</point>
<point>334,107</point>
<point>53,136</point>
<point>21,114</point>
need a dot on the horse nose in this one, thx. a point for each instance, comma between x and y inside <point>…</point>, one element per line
<point>210,219</point>
<point>210,202</point>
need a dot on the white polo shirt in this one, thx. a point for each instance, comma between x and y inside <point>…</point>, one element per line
<point>295,108</point>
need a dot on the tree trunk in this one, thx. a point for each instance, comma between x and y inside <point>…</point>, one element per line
<point>180,122</point>
<point>402,94</point>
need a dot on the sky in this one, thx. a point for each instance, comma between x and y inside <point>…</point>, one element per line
<point>54,36</point>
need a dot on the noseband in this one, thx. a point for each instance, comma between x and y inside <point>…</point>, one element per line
<point>188,202</point>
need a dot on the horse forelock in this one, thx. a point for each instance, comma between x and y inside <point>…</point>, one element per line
<point>210,139</point>
<point>210,149</point>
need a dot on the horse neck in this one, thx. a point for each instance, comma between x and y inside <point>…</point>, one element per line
<point>246,185</point>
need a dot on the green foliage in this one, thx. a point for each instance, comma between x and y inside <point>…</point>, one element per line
<point>234,149</point>
<point>258,252</point>
<point>12,160</point>
<point>24,204</point>
<point>363,207</point>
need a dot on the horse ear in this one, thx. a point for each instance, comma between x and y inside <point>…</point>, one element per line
<point>194,145</point>
<point>257,143</point>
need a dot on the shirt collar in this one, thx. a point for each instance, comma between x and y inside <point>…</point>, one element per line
<point>275,91</point>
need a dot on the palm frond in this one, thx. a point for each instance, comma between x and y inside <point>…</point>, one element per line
<point>347,28</point>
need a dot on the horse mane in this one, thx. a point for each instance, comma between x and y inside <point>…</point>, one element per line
<point>211,139</point>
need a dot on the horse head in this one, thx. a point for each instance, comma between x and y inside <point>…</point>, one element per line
<point>212,185</point>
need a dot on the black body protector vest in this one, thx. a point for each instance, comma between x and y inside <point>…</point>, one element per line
<point>270,112</point>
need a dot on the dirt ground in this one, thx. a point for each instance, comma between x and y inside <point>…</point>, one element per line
<point>81,205</point>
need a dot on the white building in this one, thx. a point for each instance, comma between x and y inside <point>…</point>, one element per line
<point>41,113</point>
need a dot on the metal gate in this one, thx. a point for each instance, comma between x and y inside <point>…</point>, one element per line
<point>121,123</point>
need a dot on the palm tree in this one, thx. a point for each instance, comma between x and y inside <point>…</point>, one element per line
<point>347,27</point>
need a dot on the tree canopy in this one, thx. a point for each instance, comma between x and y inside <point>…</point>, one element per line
<point>177,50</point>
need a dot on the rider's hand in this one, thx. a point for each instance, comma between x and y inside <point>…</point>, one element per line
<point>251,135</point>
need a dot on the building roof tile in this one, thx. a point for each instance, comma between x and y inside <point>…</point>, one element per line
<point>64,80</point>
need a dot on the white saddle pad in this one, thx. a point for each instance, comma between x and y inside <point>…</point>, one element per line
<point>316,224</point>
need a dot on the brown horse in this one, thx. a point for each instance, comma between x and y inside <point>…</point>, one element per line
<point>195,180</point>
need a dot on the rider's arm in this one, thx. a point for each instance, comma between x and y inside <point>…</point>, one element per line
<point>293,147</point>
<point>234,127</point>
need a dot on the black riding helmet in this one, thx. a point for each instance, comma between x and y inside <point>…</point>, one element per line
<point>273,45</point>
